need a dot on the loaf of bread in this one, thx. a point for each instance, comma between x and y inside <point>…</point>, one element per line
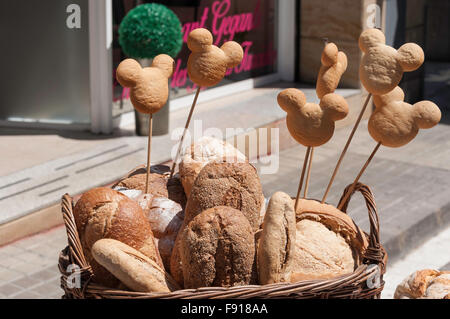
<point>165,217</point>
<point>425,284</point>
<point>160,184</point>
<point>328,244</point>
<point>277,242</point>
<point>236,185</point>
<point>133,269</point>
<point>205,150</point>
<point>217,249</point>
<point>106,213</point>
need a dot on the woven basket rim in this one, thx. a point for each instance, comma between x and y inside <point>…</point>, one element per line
<point>352,285</point>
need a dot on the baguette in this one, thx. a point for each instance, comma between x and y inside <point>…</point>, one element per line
<point>133,269</point>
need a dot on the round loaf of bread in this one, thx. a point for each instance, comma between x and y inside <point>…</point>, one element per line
<point>328,244</point>
<point>106,213</point>
<point>236,185</point>
<point>217,249</point>
<point>205,150</point>
<point>424,284</point>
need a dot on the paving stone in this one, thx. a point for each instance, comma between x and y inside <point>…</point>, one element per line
<point>7,275</point>
<point>10,289</point>
<point>27,294</point>
<point>45,274</point>
<point>9,260</point>
<point>11,250</point>
<point>26,268</point>
<point>46,289</point>
<point>26,282</point>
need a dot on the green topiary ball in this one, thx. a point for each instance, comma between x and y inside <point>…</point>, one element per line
<point>150,29</point>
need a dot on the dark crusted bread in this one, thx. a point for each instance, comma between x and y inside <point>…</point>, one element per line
<point>236,185</point>
<point>217,249</point>
<point>106,213</point>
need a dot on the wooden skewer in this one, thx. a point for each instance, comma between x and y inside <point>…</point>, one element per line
<point>359,175</point>
<point>308,174</point>
<point>149,151</point>
<point>308,150</point>
<point>186,126</point>
<point>346,147</point>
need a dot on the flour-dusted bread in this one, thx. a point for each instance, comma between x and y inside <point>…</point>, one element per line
<point>132,268</point>
<point>236,185</point>
<point>328,243</point>
<point>106,213</point>
<point>165,217</point>
<point>425,284</point>
<point>217,249</point>
<point>160,184</point>
<point>205,150</point>
<point>276,246</point>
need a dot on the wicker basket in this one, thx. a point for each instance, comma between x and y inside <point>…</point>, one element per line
<point>72,262</point>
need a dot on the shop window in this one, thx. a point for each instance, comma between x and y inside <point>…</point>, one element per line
<point>252,23</point>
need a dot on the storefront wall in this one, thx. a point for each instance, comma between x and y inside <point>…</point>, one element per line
<point>58,66</point>
<point>44,63</point>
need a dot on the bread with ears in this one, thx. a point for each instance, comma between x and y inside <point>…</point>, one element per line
<point>382,66</point>
<point>207,64</point>
<point>149,86</point>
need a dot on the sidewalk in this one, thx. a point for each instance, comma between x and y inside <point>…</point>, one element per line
<point>410,186</point>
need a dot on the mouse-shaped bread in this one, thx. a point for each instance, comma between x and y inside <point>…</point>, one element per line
<point>334,64</point>
<point>382,66</point>
<point>207,63</point>
<point>149,87</point>
<point>395,123</point>
<point>311,124</point>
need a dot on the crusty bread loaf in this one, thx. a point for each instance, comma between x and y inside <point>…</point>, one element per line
<point>160,184</point>
<point>336,220</point>
<point>320,253</point>
<point>106,213</point>
<point>235,185</point>
<point>328,243</point>
<point>135,270</point>
<point>277,243</point>
<point>217,249</point>
<point>424,284</point>
<point>205,150</point>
